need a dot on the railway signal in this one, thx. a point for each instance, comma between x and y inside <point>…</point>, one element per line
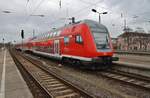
<point>22,34</point>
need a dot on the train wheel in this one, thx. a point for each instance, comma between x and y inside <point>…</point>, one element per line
<point>107,65</point>
<point>78,63</point>
<point>64,60</point>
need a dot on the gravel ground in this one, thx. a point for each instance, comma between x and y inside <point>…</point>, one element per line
<point>100,86</point>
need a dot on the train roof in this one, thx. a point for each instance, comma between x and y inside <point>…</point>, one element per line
<point>94,26</point>
<point>89,22</point>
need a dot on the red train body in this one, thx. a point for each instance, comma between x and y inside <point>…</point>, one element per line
<point>86,41</point>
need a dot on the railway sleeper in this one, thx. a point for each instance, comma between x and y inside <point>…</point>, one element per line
<point>47,78</point>
<point>55,85</point>
<point>148,85</point>
<point>63,92</point>
<point>53,82</point>
<point>71,95</point>
<point>58,88</point>
<point>47,83</point>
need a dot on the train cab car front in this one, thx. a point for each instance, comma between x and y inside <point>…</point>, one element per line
<point>102,50</point>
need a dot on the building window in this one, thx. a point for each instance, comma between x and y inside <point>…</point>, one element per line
<point>78,39</point>
<point>66,40</point>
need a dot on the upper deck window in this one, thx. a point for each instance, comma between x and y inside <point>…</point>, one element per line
<point>78,39</point>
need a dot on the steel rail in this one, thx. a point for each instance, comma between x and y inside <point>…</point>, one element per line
<point>74,91</point>
<point>129,78</point>
<point>32,82</point>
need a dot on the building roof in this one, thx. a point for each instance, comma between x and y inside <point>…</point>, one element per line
<point>125,34</point>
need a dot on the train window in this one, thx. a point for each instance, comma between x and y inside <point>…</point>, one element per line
<point>66,40</point>
<point>79,39</point>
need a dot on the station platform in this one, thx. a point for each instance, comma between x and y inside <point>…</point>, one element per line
<point>12,84</point>
<point>134,61</point>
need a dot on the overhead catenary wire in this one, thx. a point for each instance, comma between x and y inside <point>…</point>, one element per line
<point>34,10</point>
<point>75,14</point>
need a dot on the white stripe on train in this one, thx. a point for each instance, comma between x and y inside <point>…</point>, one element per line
<point>60,56</point>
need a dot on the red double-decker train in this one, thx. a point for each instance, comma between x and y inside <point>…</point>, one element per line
<point>86,42</point>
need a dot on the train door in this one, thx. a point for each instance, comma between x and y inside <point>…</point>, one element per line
<point>56,47</point>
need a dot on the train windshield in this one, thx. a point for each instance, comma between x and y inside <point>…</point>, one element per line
<point>100,35</point>
<point>101,40</point>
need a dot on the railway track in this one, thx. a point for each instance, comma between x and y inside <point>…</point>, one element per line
<point>130,79</point>
<point>52,84</point>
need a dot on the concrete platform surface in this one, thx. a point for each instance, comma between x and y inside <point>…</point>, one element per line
<point>12,84</point>
<point>135,61</point>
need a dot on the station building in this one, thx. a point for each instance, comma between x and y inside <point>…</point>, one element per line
<point>133,41</point>
<point>114,43</point>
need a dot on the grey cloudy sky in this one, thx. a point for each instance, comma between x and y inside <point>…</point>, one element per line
<point>12,23</point>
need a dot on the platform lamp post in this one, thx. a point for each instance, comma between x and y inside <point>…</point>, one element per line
<point>22,36</point>
<point>99,14</point>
